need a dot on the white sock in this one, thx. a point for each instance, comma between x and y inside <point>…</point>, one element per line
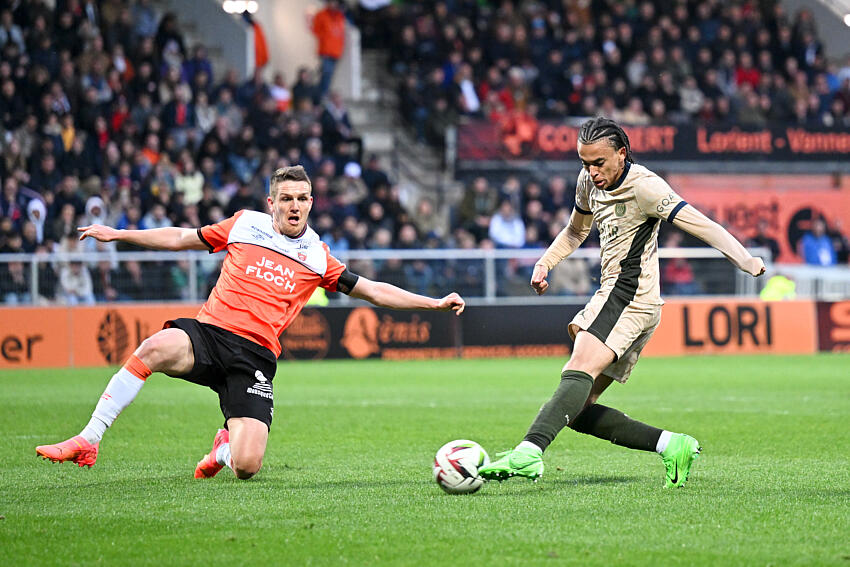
<point>528,445</point>
<point>120,391</point>
<point>94,431</point>
<point>222,456</point>
<point>663,440</point>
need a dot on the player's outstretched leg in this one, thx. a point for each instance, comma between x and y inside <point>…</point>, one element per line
<point>122,389</point>
<point>678,456</point>
<point>216,459</point>
<point>527,458</point>
<point>76,449</point>
<point>677,450</point>
<point>169,350</point>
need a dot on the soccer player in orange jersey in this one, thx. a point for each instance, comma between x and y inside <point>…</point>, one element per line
<point>273,265</point>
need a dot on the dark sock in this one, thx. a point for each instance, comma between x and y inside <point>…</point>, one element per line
<point>618,428</point>
<point>565,404</point>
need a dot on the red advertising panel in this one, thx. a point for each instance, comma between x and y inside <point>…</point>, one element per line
<point>523,138</point>
<point>834,326</point>
<point>786,203</point>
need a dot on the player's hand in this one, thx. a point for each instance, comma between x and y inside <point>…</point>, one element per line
<point>538,279</point>
<point>755,267</point>
<point>452,301</point>
<point>98,232</point>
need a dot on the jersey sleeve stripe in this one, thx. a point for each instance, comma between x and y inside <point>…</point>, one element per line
<point>676,210</point>
<point>204,240</point>
<point>582,211</point>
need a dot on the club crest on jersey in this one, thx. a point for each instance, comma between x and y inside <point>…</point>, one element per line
<point>620,209</point>
<point>302,256</point>
<point>269,271</point>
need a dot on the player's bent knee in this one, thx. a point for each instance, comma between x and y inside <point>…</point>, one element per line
<point>163,351</point>
<point>246,467</point>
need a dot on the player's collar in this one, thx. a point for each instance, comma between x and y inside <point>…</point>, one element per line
<point>622,177</point>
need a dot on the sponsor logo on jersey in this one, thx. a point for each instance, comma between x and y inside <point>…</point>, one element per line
<point>262,387</point>
<point>260,233</point>
<point>271,272</point>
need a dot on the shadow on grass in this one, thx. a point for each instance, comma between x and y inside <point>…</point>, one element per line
<point>594,480</point>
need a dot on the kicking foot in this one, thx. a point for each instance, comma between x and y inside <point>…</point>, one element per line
<point>680,454</point>
<point>208,467</point>
<point>522,461</point>
<point>75,449</point>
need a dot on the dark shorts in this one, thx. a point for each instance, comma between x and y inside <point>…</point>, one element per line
<point>238,370</point>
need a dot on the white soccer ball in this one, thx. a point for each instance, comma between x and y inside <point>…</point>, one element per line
<point>456,466</point>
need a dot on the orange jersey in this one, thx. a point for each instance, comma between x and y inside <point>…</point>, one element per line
<point>266,277</point>
<point>329,29</point>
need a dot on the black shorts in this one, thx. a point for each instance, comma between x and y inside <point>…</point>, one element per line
<point>238,370</point>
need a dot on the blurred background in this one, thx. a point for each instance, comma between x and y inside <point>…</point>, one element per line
<point>440,139</point>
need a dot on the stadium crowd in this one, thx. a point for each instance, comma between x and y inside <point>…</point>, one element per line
<point>639,62</point>
<point>106,116</point>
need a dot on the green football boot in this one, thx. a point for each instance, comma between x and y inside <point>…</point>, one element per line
<point>678,457</point>
<point>523,461</point>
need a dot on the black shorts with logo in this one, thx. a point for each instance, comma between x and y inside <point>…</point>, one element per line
<point>238,370</point>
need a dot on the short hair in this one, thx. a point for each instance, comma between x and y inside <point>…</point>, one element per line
<point>601,128</point>
<point>292,173</point>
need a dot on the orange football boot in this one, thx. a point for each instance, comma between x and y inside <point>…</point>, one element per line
<point>75,449</point>
<point>208,467</point>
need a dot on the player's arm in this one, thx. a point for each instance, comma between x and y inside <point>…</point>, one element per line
<point>694,222</point>
<point>567,241</point>
<point>387,295</point>
<point>169,238</point>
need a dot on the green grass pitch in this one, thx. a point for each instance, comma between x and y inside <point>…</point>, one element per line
<point>347,475</point>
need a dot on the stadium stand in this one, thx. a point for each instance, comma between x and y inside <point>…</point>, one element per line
<point>706,62</point>
<point>107,116</point>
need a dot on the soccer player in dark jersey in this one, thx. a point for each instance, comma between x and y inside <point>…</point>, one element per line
<point>628,202</point>
<point>274,263</point>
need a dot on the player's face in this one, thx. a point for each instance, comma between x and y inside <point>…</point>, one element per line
<point>602,162</point>
<point>290,207</point>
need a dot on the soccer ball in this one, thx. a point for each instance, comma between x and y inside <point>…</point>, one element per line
<point>456,466</point>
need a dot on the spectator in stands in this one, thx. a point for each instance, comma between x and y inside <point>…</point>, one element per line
<point>428,219</point>
<point>245,198</point>
<point>506,227</point>
<point>336,126</point>
<point>14,282</point>
<point>840,242</point>
<point>762,239</point>
<point>373,175</point>
<point>677,276</point>
<point>328,25</point>
<point>816,247</point>
<point>478,204</point>
<point>75,284</point>
<point>349,190</point>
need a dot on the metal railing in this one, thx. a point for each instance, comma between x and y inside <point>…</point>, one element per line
<point>480,275</point>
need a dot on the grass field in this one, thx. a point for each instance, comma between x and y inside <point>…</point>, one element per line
<point>347,475</point>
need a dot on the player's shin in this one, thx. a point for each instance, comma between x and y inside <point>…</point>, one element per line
<point>564,405</point>
<point>618,428</point>
<point>121,390</point>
